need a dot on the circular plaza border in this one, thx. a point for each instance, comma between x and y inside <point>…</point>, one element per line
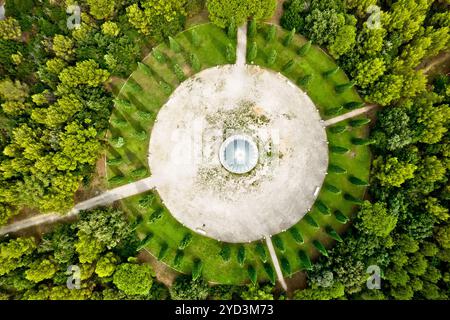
<point>203,112</point>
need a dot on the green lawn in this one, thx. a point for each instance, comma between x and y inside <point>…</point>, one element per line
<point>149,87</point>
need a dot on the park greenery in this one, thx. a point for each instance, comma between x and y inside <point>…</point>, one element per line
<point>71,97</point>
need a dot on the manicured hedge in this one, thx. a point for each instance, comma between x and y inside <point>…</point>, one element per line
<point>319,246</point>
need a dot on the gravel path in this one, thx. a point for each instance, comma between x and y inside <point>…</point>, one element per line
<point>350,114</point>
<point>241,51</point>
<point>275,262</point>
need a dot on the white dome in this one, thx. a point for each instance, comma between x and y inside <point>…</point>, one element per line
<point>238,154</point>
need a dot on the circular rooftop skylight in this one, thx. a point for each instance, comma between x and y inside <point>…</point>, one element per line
<point>238,154</point>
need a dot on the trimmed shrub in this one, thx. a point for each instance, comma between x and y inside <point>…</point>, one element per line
<point>146,201</point>
<point>304,48</point>
<point>305,262</point>
<point>338,149</point>
<point>252,28</point>
<point>225,253</point>
<point>159,56</point>
<point>178,258</point>
<point>174,45</point>
<point>338,129</point>
<point>163,251</point>
<point>296,235</point>
<point>195,38</point>
<point>144,115</point>
<point>319,246</point>
<point>352,199</point>
<point>342,218</point>
<point>232,30</point>
<point>358,182</point>
<point>288,38</point>
<point>252,51</point>
<point>145,242</point>
<point>156,215</point>
<point>252,274</point>
<point>322,207</point>
<point>336,169</point>
<point>145,69</point>
<point>273,54</point>
<point>279,244</point>
<point>333,111</point>
<point>270,272</point>
<point>230,53</point>
<point>123,104</point>
<point>197,269</point>
<point>241,255</point>
<point>261,251</point>
<point>133,86</point>
<point>117,142</point>
<point>333,234</point>
<point>114,162</point>
<point>340,88</point>
<point>288,66</point>
<point>271,34</point>
<point>194,62</point>
<point>178,72</point>
<point>310,220</point>
<point>167,88</point>
<point>138,173</point>
<point>353,105</point>
<point>187,239</point>
<point>285,266</point>
<point>136,222</point>
<point>361,141</point>
<point>330,73</point>
<point>141,135</point>
<point>332,189</point>
<point>305,80</point>
<point>117,179</point>
<point>359,122</point>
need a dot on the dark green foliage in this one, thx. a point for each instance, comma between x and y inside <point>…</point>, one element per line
<point>145,69</point>
<point>338,129</point>
<point>230,53</point>
<point>179,73</point>
<point>333,234</point>
<point>342,218</point>
<point>197,269</point>
<point>119,179</point>
<point>167,88</point>
<point>156,215</point>
<point>336,169</point>
<point>159,56</point>
<point>338,149</point>
<point>145,242</point>
<point>330,73</point>
<point>195,38</point>
<point>114,162</point>
<point>361,141</point>
<point>178,258</point>
<point>225,252</point>
<point>194,62</point>
<point>352,199</point>
<point>288,66</point>
<point>271,33</point>
<point>272,57</point>
<point>332,189</point>
<point>163,250</point>
<point>359,122</point>
<point>358,182</point>
<point>305,262</point>
<point>252,274</point>
<point>285,266</point>
<point>174,45</point>
<point>252,51</point>
<point>187,239</point>
<point>322,207</point>
<point>261,251</point>
<point>340,88</point>
<point>353,105</point>
<point>319,246</point>
<point>310,220</point>
<point>232,30</point>
<point>185,288</point>
<point>279,244</point>
<point>270,272</point>
<point>304,49</point>
<point>123,104</point>
<point>333,111</point>
<point>144,115</point>
<point>252,28</point>
<point>288,38</point>
<point>305,80</point>
<point>296,235</point>
<point>241,255</point>
<point>138,173</point>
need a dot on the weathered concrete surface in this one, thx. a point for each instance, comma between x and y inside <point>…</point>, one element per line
<point>206,109</point>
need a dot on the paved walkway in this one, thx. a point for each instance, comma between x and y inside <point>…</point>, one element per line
<point>350,114</point>
<point>241,51</point>
<point>108,197</point>
<point>275,262</point>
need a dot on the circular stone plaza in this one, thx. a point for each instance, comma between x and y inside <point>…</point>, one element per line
<point>238,153</point>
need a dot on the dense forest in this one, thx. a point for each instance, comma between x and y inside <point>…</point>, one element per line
<point>56,99</point>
